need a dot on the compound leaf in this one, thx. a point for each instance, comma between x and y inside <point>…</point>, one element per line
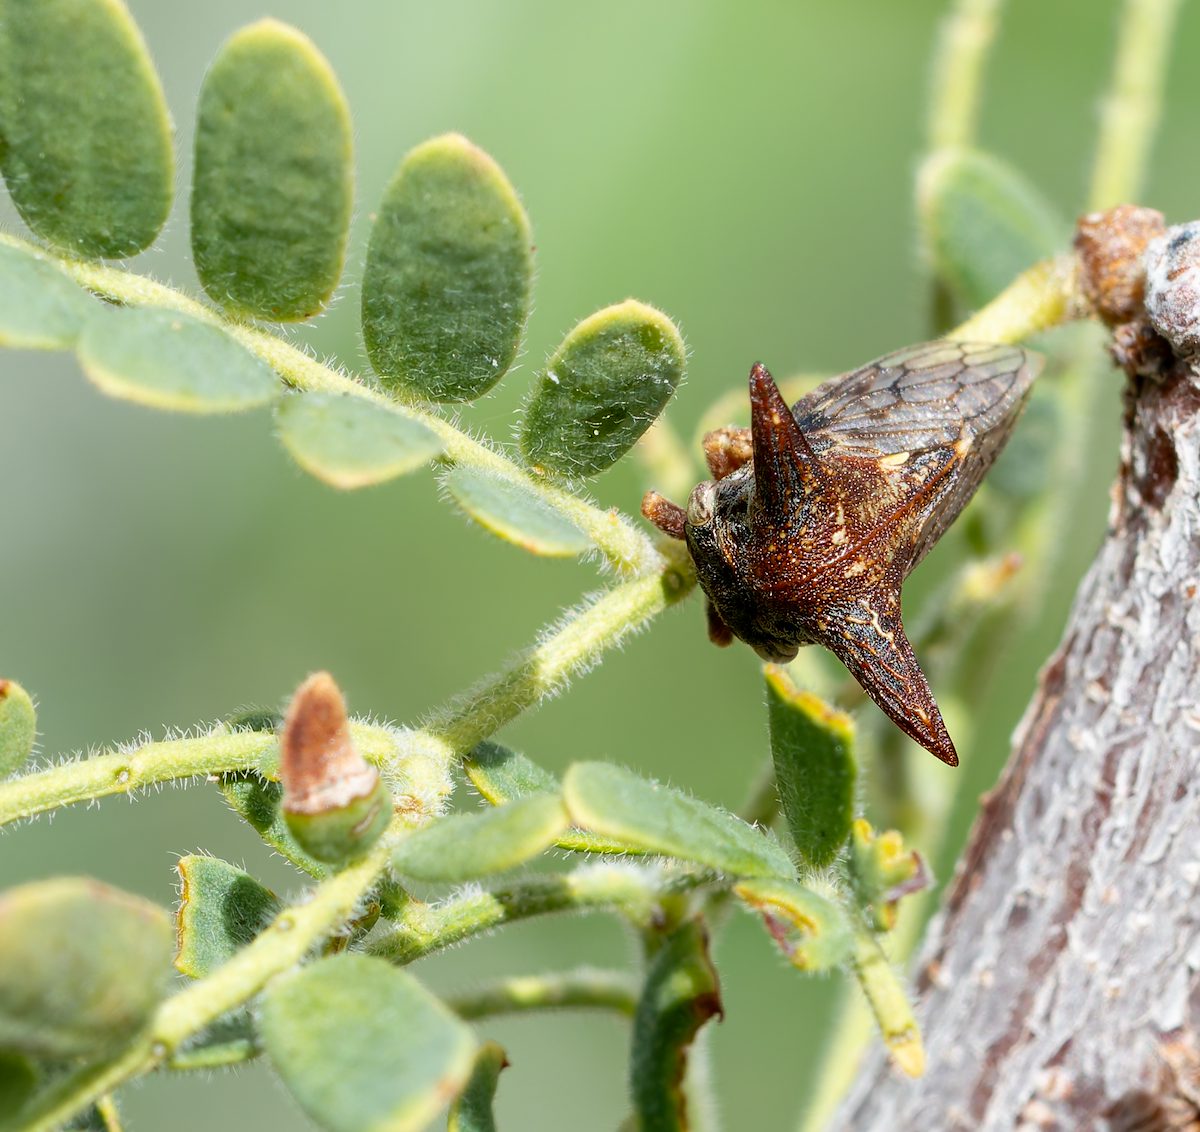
<point>40,308</point>
<point>514,513</point>
<point>221,909</point>
<point>273,186</point>
<point>983,223</point>
<point>464,846</point>
<point>87,149</point>
<point>364,1047</point>
<point>67,991</point>
<point>168,360</point>
<point>449,272</point>
<point>350,442</point>
<point>601,389</point>
<point>617,803</point>
<point>815,769</point>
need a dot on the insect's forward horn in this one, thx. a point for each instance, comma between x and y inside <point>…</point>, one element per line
<point>785,467</point>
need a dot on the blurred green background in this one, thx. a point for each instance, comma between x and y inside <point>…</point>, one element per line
<point>745,167</point>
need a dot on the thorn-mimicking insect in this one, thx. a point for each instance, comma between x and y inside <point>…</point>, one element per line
<point>816,514</point>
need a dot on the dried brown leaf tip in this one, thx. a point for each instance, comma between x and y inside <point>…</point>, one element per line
<point>333,799</point>
<point>813,521</point>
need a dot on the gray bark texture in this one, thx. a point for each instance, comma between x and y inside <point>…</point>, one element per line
<point>1059,987</point>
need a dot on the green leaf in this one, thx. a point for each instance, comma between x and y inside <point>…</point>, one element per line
<point>810,929</point>
<point>449,272</point>
<point>87,135</point>
<point>259,802</point>
<point>273,186</point>
<point>510,510</point>
<point>221,908</point>
<point>230,1040</point>
<point>613,801</point>
<point>680,994</point>
<point>40,307</point>
<point>82,966</point>
<point>983,223</point>
<point>815,768</point>
<point>169,360</point>
<point>18,1079</point>
<point>350,442</point>
<point>364,1047</point>
<point>18,727</point>
<point>502,775</point>
<point>472,1112</point>
<point>602,388</point>
<point>464,846</point>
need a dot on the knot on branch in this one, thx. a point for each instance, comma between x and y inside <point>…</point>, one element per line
<point>1143,281</point>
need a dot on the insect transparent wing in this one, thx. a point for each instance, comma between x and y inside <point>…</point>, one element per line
<point>922,397</point>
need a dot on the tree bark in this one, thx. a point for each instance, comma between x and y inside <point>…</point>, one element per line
<point>1059,986</point>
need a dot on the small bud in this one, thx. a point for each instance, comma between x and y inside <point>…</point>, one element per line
<point>334,802</point>
<point>884,869</point>
<point>18,727</point>
<point>1110,246</point>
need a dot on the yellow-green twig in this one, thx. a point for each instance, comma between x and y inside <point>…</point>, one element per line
<point>965,40</point>
<point>1131,108</point>
<point>124,771</point>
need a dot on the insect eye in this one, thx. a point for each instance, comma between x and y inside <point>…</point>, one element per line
<point>701,503</point>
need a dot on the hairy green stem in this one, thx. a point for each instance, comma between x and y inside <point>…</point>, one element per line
<point>634,890</point>
<point>966,39</point>
<point>1043,297</point>
<point>571,649</point>
<point>887,1001</point>
<point>1131,109</point>
<point>629,550</point>
<point>586,988</point>
<point>124,771</point>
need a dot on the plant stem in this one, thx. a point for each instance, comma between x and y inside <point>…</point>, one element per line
<point>888,1002</point>
<point>634,890</point>
<point>124,771</point>
<point>572,649</point>
<point>1130,111</point>
<point>586,988</point>
<point>628,550</point>
<point>966,38</point>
